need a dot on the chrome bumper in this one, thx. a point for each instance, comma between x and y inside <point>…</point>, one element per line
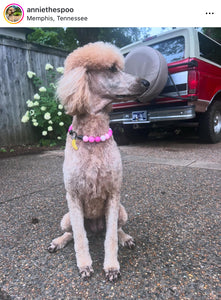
<point>155,115</point>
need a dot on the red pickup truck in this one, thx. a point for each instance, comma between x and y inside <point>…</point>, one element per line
<point>192,90</point>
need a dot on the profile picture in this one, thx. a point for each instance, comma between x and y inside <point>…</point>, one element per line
<point>13,13</point>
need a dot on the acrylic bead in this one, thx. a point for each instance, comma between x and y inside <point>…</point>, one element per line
<point>70,128</point>
<point>107,136</point>
<point>97,139</point>
<point>85,138</point>
<point>91,139</point>
<point>103,138</point>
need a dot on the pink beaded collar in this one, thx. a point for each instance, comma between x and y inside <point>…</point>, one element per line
<point>90,139</point>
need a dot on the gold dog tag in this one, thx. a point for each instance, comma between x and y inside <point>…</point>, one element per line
<point>74,144</point>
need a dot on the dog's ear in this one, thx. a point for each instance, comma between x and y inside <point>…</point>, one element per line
<point>73,91</point>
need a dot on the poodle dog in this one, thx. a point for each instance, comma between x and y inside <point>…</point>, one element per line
<point>92,80</point>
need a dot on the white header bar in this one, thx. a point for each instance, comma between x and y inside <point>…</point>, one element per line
<point>113,13</point>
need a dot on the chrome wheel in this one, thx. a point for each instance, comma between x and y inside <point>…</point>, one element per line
<point>217,122</point>
<point>210,123</point>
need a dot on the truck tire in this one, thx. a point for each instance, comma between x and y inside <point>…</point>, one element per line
<point>148,63</point>
<point>210,124</point>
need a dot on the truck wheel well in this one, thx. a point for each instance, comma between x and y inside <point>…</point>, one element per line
<point>216,98</point>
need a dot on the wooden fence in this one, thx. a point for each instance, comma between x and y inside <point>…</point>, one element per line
<point>16,58</point>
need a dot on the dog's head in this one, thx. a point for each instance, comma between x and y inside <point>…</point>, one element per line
<point>94,78</point>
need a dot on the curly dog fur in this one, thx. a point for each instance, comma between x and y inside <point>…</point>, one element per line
<point>93,79</point>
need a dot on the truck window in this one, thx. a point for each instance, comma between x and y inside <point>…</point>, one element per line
<point>172,49</point>
<point>209,49</point>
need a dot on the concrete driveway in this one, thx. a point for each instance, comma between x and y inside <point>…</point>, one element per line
<point>172,194</point>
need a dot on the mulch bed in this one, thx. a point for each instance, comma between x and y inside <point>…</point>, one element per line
<point>25,149</point>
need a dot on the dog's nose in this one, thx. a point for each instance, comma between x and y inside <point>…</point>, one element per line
<point>145,83</point>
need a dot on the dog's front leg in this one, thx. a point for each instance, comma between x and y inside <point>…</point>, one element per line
<point>81,247</point>
<point>111,264</point>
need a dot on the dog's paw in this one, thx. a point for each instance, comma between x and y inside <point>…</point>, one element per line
<point>86,272</point>
<point>130,243</point>
<point>112,274</point>
<point>52,248</point>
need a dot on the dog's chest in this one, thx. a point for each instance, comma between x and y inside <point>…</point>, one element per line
<point>93,177</point>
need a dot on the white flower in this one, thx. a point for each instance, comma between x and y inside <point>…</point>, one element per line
<point>43,108</point>
<point>47,116</point>
<point>48,67</point>
<point>59,138</point>
<point>60,106</point>
<point>50,128</point>
<point>30,74</point>
<point>61,124</point>
<point>34,120</point>
<point>32,112</point>
<point>42,89</point>
<point>36,97</point>
<point>30,103</point>
<point>60,70</point>
<point>53,85</point>
<point>50,122</point>
<point>25,119</point>
<point>44,133</point>
<point>36,103</point>
<point>59,113</point>
<point>35,124</point>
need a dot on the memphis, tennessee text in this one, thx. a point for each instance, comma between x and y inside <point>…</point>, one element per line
<point>57,18</point>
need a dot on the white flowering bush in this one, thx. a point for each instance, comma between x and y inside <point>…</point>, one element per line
<point>45,113</point>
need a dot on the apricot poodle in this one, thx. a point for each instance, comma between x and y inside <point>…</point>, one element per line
<point>93,79</point>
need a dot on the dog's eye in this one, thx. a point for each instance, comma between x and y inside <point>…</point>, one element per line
<point>113,69</point>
